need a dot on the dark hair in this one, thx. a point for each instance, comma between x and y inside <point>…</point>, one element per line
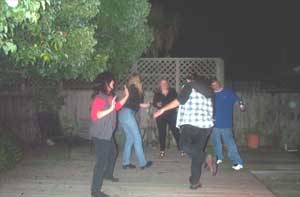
<point>101,83</point>
<point>201,85</point>
<point>192,76</point>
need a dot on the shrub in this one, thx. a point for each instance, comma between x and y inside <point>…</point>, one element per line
<point>10,151</point>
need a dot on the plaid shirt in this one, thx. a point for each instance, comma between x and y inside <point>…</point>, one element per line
<point>197,111</point>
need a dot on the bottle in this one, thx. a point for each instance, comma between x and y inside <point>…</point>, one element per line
<point>242,106</point>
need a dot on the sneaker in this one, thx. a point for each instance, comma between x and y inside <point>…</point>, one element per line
<point>128,166</point>
<point>162,154</point>
<point>100,194</point>
<point>50,142</point>
<point>195,186</point>
<point>148,164</point>
<point>219,161</point>
<point>182,154</point>
<point>237,166</point>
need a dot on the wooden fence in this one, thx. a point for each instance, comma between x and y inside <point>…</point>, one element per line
<point>18,115</point>
<point>276,117</point>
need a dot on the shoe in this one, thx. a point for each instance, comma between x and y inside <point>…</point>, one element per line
<point>148,164</point>
<point>49,142</point>
<point>129,166</point>
<point>237,167</point>
<point>162,154</point>
<point>113,179</point>
<point>182,154</point>
<point>195,186</point>
<point>219,161</point>
<point>100,194</point>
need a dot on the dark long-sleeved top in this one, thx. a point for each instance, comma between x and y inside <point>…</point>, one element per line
<point>159,97</point>
<point>135,99</point>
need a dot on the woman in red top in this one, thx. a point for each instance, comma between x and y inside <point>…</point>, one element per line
<point>102,127</point>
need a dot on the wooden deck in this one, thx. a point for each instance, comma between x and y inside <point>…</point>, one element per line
<point>51,174</point>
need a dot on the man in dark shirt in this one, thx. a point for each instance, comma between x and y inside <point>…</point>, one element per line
<point>195,120</point>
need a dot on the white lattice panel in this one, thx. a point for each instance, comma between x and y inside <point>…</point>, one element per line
<point>174,70</point>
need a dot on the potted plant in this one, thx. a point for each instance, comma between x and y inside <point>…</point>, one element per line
<point>253,137</point>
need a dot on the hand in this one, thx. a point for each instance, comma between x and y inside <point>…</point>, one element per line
<point>126,92</point>
<point>145,105</point>
<point>242,108</point>
<point>158,113</point>
<point>159,104</point>
<point>113,103</point>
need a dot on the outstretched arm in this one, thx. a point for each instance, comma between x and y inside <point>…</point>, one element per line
<point>175,103</point>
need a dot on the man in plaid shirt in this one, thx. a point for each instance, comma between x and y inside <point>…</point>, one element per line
<point>195,120</point>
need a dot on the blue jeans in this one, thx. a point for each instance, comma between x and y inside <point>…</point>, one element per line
<point>133,137</point>
<point>227,136</point>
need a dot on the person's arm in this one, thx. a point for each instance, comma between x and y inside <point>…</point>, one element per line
<point>180,100</point>
<point>102,113</point>
<point>238,101</point>
<point>234,98</point>
<point>175,103</point>
<point>97,110</point>
<point>120,103</point>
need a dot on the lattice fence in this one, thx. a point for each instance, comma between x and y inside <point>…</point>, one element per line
<point>174,70</point>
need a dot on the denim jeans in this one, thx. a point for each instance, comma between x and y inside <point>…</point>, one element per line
<point>133,138</point>
<point>193,142</point>
<point>105,162</point>
<point>225,134</point>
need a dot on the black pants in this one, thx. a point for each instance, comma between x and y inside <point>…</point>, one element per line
<point>105,162</point>
<point>162,122</point>
<point>193,142</point>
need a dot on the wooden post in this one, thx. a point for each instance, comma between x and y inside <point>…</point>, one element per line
<point>220,70</point>
<point>177,75</point>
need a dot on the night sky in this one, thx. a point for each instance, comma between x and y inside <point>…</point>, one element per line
<point>248,35</point>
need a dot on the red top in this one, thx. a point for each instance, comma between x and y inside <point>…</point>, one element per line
<point>98,105</point>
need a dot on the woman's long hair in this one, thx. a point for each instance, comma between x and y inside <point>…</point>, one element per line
<point>136,80</point>
<point>101,83</point>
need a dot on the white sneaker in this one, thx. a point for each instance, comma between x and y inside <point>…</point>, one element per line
<point>219,161</point>
<point>238,167</point>
<point>50,142</point>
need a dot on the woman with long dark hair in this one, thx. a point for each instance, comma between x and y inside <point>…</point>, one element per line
<point>103,124</point>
